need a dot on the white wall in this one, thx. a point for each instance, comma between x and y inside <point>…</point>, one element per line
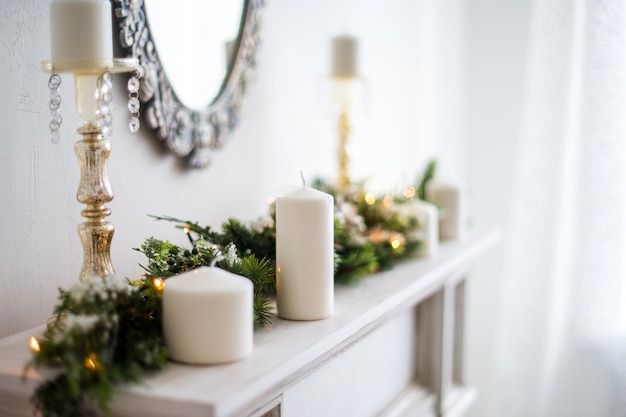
<point>497,42</point>
<point>412,55</point>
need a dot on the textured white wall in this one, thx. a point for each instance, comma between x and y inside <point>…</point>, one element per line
<point>497,42</point>
<point>412,55</point>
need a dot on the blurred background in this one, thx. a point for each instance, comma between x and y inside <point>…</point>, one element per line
<point>521,100</point>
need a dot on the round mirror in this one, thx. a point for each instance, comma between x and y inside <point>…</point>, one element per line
<point>195,41</point>
<point>196,59</point>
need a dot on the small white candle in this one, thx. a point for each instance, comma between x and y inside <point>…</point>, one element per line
<point>344,56</point>
<point>80,30</point>
<point>208,316</point>
<point>304,255</point>
<point>450,199</point>
<point>428,217</point>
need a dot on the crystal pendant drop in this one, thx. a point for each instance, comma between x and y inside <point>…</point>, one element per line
<point>133,102</point>
<point>54,83</point>
<point>104,102</point>
<point>55,101</point>
<point>134,124</point>
<point>133,85</point>
<point>133,105</point>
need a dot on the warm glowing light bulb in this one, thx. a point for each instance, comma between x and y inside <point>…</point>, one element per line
<point>370,198</point>
<point>186,229</point>
<point>91,362</point>
<point>387,201</point>
<point>158,283</point>
<point>394,242</point>
<point>377,236</point>
<point>34,344</point>
<point>409,192</point>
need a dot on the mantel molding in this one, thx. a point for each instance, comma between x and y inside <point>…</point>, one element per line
<point>420,294</point>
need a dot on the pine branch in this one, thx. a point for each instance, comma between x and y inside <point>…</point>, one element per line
<point>427,176</point>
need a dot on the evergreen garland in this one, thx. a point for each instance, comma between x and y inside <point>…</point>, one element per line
<point>371,233</point>
<point>104,332</point>
<point>107,331</point>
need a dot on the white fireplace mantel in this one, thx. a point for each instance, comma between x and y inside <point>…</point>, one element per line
<point>394,347</point>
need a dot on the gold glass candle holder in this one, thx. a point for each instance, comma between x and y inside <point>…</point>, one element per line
<point>93,151</point>
<point>344,89</point>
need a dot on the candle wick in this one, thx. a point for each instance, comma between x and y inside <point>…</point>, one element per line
<point>303,180</point>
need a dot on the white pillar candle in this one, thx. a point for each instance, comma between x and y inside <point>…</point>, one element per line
<point>450,198</point>
<point>428,217</point>
<point>344,56</point>
<point>85,87</point>
<point>304,255</point>
<point>208,316</point>
<point>80,30</point>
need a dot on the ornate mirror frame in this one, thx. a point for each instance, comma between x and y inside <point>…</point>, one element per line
<point>189,134</point>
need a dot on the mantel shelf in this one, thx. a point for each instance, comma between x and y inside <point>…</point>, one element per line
<point>285,352</point>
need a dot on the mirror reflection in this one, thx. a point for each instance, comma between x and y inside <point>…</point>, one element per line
<point>195,41</point>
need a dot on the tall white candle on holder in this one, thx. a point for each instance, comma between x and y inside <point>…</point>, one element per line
<point>344,56</point>
<point>81,30</point>
<point>304,255</point>
<point>208,316</point>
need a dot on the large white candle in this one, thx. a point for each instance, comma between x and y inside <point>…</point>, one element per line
<point>344,56</point>
<point>304,255</point>
<point>450,198</point>
<point>208,316</point>
<point>80,30</point>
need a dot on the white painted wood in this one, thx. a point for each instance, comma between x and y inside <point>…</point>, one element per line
<point>366,376</point>
<point>458,401</point>
<point>459,333</point>
<point>447,347</point>
<point>413,401</point>
<point>272,409</point>
<point>286,352</point>
<point>430,344</point>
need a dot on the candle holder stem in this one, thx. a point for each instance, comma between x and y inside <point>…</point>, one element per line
<point>94,190</point>
<point>343,130</point>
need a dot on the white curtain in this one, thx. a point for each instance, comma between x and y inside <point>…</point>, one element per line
<point>560,341</point>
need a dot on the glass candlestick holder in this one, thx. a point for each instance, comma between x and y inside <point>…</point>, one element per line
<point>346,90</point>
<point>93,81</point>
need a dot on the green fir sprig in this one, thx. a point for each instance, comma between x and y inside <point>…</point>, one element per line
<point>427,176</point>
<point>104,332</point>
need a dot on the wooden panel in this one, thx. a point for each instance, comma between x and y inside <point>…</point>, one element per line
<point>430,342</point>
<point>459,335</point>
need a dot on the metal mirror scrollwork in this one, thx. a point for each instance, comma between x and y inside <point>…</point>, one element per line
<point>189,133</point>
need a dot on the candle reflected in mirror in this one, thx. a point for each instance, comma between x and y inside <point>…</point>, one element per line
<point>34,344</point>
